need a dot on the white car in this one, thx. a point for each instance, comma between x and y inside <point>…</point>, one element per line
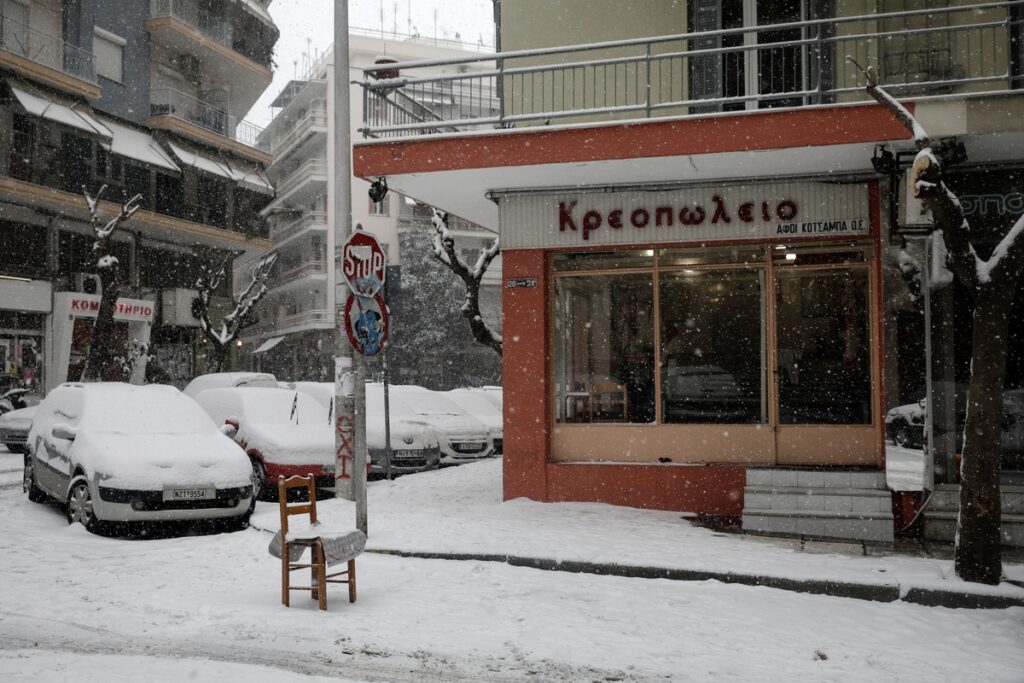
<point>415,447</point>
<point>14,427</point>
<point>224,380</point>
<point>463,437</point>
<point>116,452</point>
<point>482,405</point>
<point>283,431</point>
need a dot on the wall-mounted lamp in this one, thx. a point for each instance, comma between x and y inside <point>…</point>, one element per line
<point>378,188</point>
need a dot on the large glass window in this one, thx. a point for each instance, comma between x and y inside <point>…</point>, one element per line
<point>605,358</point>
<point>712,346</point>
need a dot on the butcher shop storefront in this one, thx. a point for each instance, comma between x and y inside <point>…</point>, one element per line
<point>718,326</point>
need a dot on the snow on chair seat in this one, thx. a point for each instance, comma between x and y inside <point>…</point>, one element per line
<point>328,546</point>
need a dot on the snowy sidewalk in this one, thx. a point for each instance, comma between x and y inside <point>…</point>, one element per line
<point>458,513</point>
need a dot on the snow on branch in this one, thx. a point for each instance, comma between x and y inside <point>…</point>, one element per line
<point>127,210</point>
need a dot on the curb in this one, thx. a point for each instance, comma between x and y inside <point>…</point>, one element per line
<point>926,597</point>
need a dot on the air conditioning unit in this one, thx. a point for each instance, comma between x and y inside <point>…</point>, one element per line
<point>176,307</point>
<point>88,283</point>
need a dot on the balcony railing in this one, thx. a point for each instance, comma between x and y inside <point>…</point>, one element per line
<point>170,102</point>
<point>218,28</point>
<point>938,52</point>
<point>286,230</point>
<point>47,50</point>
<point>271,324</point>
<point>302,174</point>
<point>299,271</point>
<point>316,116</point>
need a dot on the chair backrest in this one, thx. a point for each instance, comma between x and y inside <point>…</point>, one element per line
<point>608,400</point>
<point>296,482</point>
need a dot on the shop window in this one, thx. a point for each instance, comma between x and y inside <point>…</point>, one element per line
<point>24,250</point>
<point>108,54</point>
<point>713,346</point>
<point>605,356</point>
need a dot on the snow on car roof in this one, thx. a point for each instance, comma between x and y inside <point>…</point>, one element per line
<point>264,405</point>
<point>216,380</point>
<point>118,408</point>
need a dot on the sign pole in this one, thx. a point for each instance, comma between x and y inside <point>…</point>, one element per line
<point>349,440</point>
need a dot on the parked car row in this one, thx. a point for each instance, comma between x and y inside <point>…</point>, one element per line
<point>112,452</point>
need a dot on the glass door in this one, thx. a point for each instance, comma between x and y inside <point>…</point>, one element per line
<point>824,369</point>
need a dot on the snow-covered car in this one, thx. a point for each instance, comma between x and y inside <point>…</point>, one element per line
<point>224,380</point>
<point>415,447</point>
<point>463,437</point>
<point>904,425</point>
<point>482,405</point>
<point>14,428</point>
<point>284,432</point>
<point>116,452</point>
<point>705,393</point>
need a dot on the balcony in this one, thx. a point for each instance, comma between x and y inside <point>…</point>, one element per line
<point>286,139</point>
<point>231,51</point>
<point>174,110</point>
<point>47,59</point>
<point>295,272</point>
<point>300,186</point>
<point>941,52</point>
<point>310,220</point>
<point>314,319</point>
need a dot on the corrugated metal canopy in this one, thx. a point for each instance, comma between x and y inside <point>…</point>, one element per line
<point>68,114</point>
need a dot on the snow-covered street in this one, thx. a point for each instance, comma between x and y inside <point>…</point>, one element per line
<point>208,607</point>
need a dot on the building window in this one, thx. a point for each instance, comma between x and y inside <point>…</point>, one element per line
<point>380,208</point>
<point>23,136</point>
<point>108,52</point>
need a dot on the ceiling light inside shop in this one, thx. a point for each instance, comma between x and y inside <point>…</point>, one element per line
<point>790,256</point>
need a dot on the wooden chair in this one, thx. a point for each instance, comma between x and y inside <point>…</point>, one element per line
<point>608,401</point>
<point>319,578</point>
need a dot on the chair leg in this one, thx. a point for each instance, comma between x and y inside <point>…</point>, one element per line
<point>322,576</point>
<point>314,579</point>
<point>351,580</point>
<point>284,575</point>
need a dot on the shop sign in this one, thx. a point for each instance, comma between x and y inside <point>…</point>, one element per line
<point>133,310</point>
<point>699,214</point>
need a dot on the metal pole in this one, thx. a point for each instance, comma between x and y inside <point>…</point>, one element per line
<point>350,435</point>
<point>387,417</point>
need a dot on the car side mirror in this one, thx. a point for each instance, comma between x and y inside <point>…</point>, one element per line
<point>64,431</point>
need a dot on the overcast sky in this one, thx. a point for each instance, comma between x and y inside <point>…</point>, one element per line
<point>307,29</point>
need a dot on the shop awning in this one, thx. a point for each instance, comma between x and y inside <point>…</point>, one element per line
<point>201,161</point>
<point>68,114</point>
<point>251,177</point>
<point>269,344</point>
<point>138,145</point>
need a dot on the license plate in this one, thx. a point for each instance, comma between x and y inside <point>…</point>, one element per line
<point>329,469</point>
<point>188,494</point>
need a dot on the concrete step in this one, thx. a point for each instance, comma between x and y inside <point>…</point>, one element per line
<point>820,499</point>
<point>778,476</point>
<point>947,497</point>
<point>940,525</point>
<point>872,527</point>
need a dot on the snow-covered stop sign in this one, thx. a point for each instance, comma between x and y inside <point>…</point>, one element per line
<point>363,264</point>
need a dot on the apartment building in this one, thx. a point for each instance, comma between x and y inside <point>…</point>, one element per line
<point>295,333</point>
<point>146,97</point>
<point>717,282</point>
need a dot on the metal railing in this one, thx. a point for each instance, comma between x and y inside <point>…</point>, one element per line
<point>316,116</point>
<point>285,230</point>
<point>301,175</point>
<point>212,26</point>
<point>170,102</point>
<point>938,52</point>
<point>298,272</point>
<point>45,49</point>
<point>284,323</point>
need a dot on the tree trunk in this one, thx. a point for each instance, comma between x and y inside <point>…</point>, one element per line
<point>100,365</point>
<point>215,360</point>
<point>978,552</point>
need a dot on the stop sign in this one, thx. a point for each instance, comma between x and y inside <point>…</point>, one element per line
<point>363,264</point>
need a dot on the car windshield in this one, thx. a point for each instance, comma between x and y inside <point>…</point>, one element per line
<point>281,407</point>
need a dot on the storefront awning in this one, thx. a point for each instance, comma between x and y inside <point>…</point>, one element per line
<point>251,177</point>
<point>69,114</point>
<point>138,145</point>
<point>269,344</point>
<point>201,162</point>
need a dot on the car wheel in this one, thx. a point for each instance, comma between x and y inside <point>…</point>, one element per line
<point>260,487</point>
<point>79,505</point>
<point>35,494</point>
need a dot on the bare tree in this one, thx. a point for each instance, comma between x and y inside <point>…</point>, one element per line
<point>992,284</point>
<point>100,363</point>
<point>444,251</point>
<point>223,335</point>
